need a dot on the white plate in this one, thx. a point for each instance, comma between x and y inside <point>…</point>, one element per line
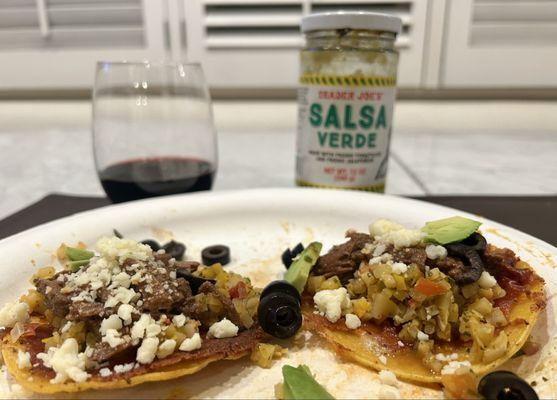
<point>258,225</point>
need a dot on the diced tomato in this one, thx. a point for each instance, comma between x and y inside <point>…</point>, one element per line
<point>411,303</point>
<point>240,290</point>
<point>429,288</point>
<point>513,291</point>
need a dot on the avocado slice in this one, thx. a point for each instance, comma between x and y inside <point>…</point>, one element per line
<point>74,266</point>
<point>300,384</point>
<point>77,257</point>
<point>75,254</point>
<point>449,230</point>
<point>298,273</point>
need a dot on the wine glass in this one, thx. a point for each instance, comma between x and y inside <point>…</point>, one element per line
<point>153,131</point>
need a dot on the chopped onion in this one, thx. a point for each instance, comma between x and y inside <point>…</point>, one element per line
<point>17,331</point>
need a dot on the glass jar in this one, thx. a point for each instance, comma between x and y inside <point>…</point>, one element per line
<point>345,100</point>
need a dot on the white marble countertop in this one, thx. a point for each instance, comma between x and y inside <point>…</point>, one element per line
<point>438,148</point>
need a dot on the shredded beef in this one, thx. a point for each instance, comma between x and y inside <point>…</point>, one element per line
<point>159,294</point>
<point>465,269</point>
<point>500,257</point>
<point>103,352</point>
<point>103,294</point>
<point>56,301</point>
<point>410,255</point>
<point>82,311</point>
<point>501,263</point>
<point>452,266</point>
<point>164,257</point>
<point>447,264</point>
<point>192,308</point>
<point>344,259</point>
<point>128,262</point>
<point>188,266</point>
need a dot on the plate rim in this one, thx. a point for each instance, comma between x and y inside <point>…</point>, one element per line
<point>518,234</point>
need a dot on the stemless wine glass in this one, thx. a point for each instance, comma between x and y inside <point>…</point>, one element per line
<point>153,131</point>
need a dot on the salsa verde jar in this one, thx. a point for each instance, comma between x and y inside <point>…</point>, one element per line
<point>345,99</point>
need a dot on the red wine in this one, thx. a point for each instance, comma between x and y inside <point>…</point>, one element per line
<point>139,179</point>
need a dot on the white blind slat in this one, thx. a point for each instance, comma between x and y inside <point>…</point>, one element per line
<point>513,23</point>
<point>18,18</point>
<point>71,24</point>
<point>276,24</point>
<point>93,3</point>
<point>250,41</point>
<point>519,12</point>
<point>95,16</point>
<point>19,4</point>
<point>253,20</point>
<point>378,3</point>
<point>71,38</point>
<point>513,35</point>
<point>251,2</point>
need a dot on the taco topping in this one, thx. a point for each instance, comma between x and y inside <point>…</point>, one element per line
<point>279,311</point>
<point>216,254</point>
<point>505,384</point>
<point>428,289</point>
<point>126,307</point>
<point>299,384</point>
<point>290,254</point>
<point>449,230</point>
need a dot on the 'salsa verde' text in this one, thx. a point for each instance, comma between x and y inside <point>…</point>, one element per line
<point>365,118</point>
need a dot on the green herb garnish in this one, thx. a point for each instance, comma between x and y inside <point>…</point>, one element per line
<point>299,384</point>
<point>75,254</point>
<point>74,266</point>
<point>78,257</point>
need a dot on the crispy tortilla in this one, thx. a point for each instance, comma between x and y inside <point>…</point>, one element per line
<point>368,344</point>
<point>37,379</point>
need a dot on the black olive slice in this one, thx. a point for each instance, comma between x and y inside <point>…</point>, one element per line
<point>289,255</point>
<point>281,286</point>
<point>153,244</point>
<point>215,254</point>
<point>279,314</point>
<point>175,249</point>
<point>468,250</point>
<point>457,249</point>
<point>194,281</point>
<point>505,385</point>
<point>297,250</point>
<point>117,234</point>
<point>286,258</point>
<point>473,264</point>
<point>475,241</point>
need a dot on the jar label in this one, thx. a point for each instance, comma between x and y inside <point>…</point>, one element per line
<point>344,130</point>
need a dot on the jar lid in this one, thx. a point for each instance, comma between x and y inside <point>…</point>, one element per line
<point>352,20</point>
